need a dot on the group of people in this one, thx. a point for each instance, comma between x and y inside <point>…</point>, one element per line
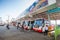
<point>23,27</point>
<point>44,28</point>
<point>19,26</point>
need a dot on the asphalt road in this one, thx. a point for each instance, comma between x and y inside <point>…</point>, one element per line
<point>16,34</point>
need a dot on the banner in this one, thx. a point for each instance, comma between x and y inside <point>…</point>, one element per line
<point>50,2</point>
<point>32,6</point>
<point>43,3</point>
<point>53,10</point>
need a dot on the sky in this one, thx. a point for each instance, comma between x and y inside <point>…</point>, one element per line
<point>13,8</point>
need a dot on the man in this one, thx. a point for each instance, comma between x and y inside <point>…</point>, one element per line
<point>46,30</point>
<point>7,26</point>
<point>18,25</point>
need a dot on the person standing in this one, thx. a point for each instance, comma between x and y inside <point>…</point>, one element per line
<point>46,30</point>
<point>43,30</point>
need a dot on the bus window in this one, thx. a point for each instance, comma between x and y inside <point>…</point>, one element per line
<point>38,22</point>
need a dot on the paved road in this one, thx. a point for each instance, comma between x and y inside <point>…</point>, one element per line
<point>14,34</point>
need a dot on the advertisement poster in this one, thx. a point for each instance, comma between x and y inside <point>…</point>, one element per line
<point>54,10</point>
<point>30,9</point>
<point>50,2</point>
<point>39,4</point>
<point>43,3</point>
<point>33,6</point>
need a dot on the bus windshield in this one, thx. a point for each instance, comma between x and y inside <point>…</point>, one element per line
<point>38,22</point>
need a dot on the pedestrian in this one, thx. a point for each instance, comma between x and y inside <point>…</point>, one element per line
<point>22,27</point>
<point>7,26</point>
<point>43,30</point>
<point>18,25</point>
<point>46,30</point>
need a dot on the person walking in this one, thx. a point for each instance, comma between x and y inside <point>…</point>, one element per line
<point>18,25</point>
<point>7,26</point>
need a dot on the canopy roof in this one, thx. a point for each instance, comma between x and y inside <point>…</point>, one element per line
<point>40,13</point>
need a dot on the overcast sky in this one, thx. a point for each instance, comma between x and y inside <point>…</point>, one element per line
<point>13,8</point>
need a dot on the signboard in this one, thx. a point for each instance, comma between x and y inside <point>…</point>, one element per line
<point>50,2</point>
<point>40,3</point>
<point>44,3</point>
<point>54,10</point>
<point>30,9</point>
